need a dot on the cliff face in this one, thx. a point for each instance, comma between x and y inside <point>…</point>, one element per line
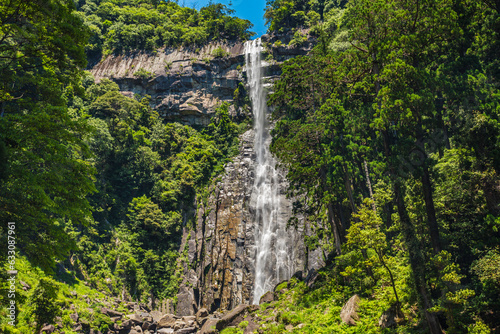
<point>187,85</point>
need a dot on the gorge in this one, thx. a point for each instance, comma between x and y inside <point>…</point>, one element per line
<point>164,171</point>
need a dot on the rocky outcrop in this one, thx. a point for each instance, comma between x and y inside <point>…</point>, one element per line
<point>187,84</point>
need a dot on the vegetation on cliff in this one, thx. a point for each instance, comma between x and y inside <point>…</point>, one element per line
<point>129,25</point>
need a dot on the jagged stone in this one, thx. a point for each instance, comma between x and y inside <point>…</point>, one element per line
<point>233,317</point>
<point>165,331</point>
<point>25,285</point>
<point>186,302</point>
<point>179,324</point>
<point>49,329</point>
<point>202,313</point>
<point>267,297</point>
<point>252,325</point>
<point>135,318</point>
<point>167,320</point>
<point>349,314</point>
<point>110,312</point>
<point>209,327</point>
<point>156,315</point>
<point>146,325</point>
<point>186,330</point>
<point>74,317</point>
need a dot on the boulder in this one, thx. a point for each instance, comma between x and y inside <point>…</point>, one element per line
<point>127,324</point>
<point>187,330</point>
<point>209,327</point>
<point>110,312</point>
<point>146,325</point>
<point>186,302</point>
<point>267,297</point>
<point>179,324</point>
<point>252,326</point>
<point>189,320</point>
<point>49,329</point>
<point>391,317</point>
<point>135,318</point>
<point>156,315</point>
<point>233,317</point>
<point>349,313</point>
<point>202,313</point>
<point>165,331</point>
<point>74,317</point>
<point>168,320</point>
<point>25,285</point>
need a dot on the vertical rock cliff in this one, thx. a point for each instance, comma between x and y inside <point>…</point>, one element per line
<point>218,271</point>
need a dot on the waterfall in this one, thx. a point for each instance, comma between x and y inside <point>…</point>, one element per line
<point>273,245</point>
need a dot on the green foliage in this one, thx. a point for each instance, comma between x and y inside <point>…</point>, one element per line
<point>143,74</point>
<point>282,15</point>
<point>126,25</point>
<point>479,327</point>
<point>48,175</point>
<point>487,268</point>
<point>42,303</point>
<point>298,39</point>
<point>219,52</point>
<point>399,113</point>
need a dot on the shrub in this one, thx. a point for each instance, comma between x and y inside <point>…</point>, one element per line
<point>143,74</point>
<point>298,39</point>
<point>220,53</point>
<point>43,306</point>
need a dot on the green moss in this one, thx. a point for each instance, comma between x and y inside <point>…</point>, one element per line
<point>281,286</point>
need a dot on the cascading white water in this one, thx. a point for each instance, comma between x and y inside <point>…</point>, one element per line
<point>273,254</point>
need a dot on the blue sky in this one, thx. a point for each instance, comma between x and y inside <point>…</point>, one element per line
<point>252,10</point>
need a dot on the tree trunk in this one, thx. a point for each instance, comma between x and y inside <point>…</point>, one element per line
<point>335,228</point>
<point>416,261</point>
<point>334,224</point>
<point>431,211</point>
<point>369,185</point>
<point>427,192</point>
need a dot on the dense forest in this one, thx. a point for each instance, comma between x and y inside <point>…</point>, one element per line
<point>389,130</point>
<point>390,134</point>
